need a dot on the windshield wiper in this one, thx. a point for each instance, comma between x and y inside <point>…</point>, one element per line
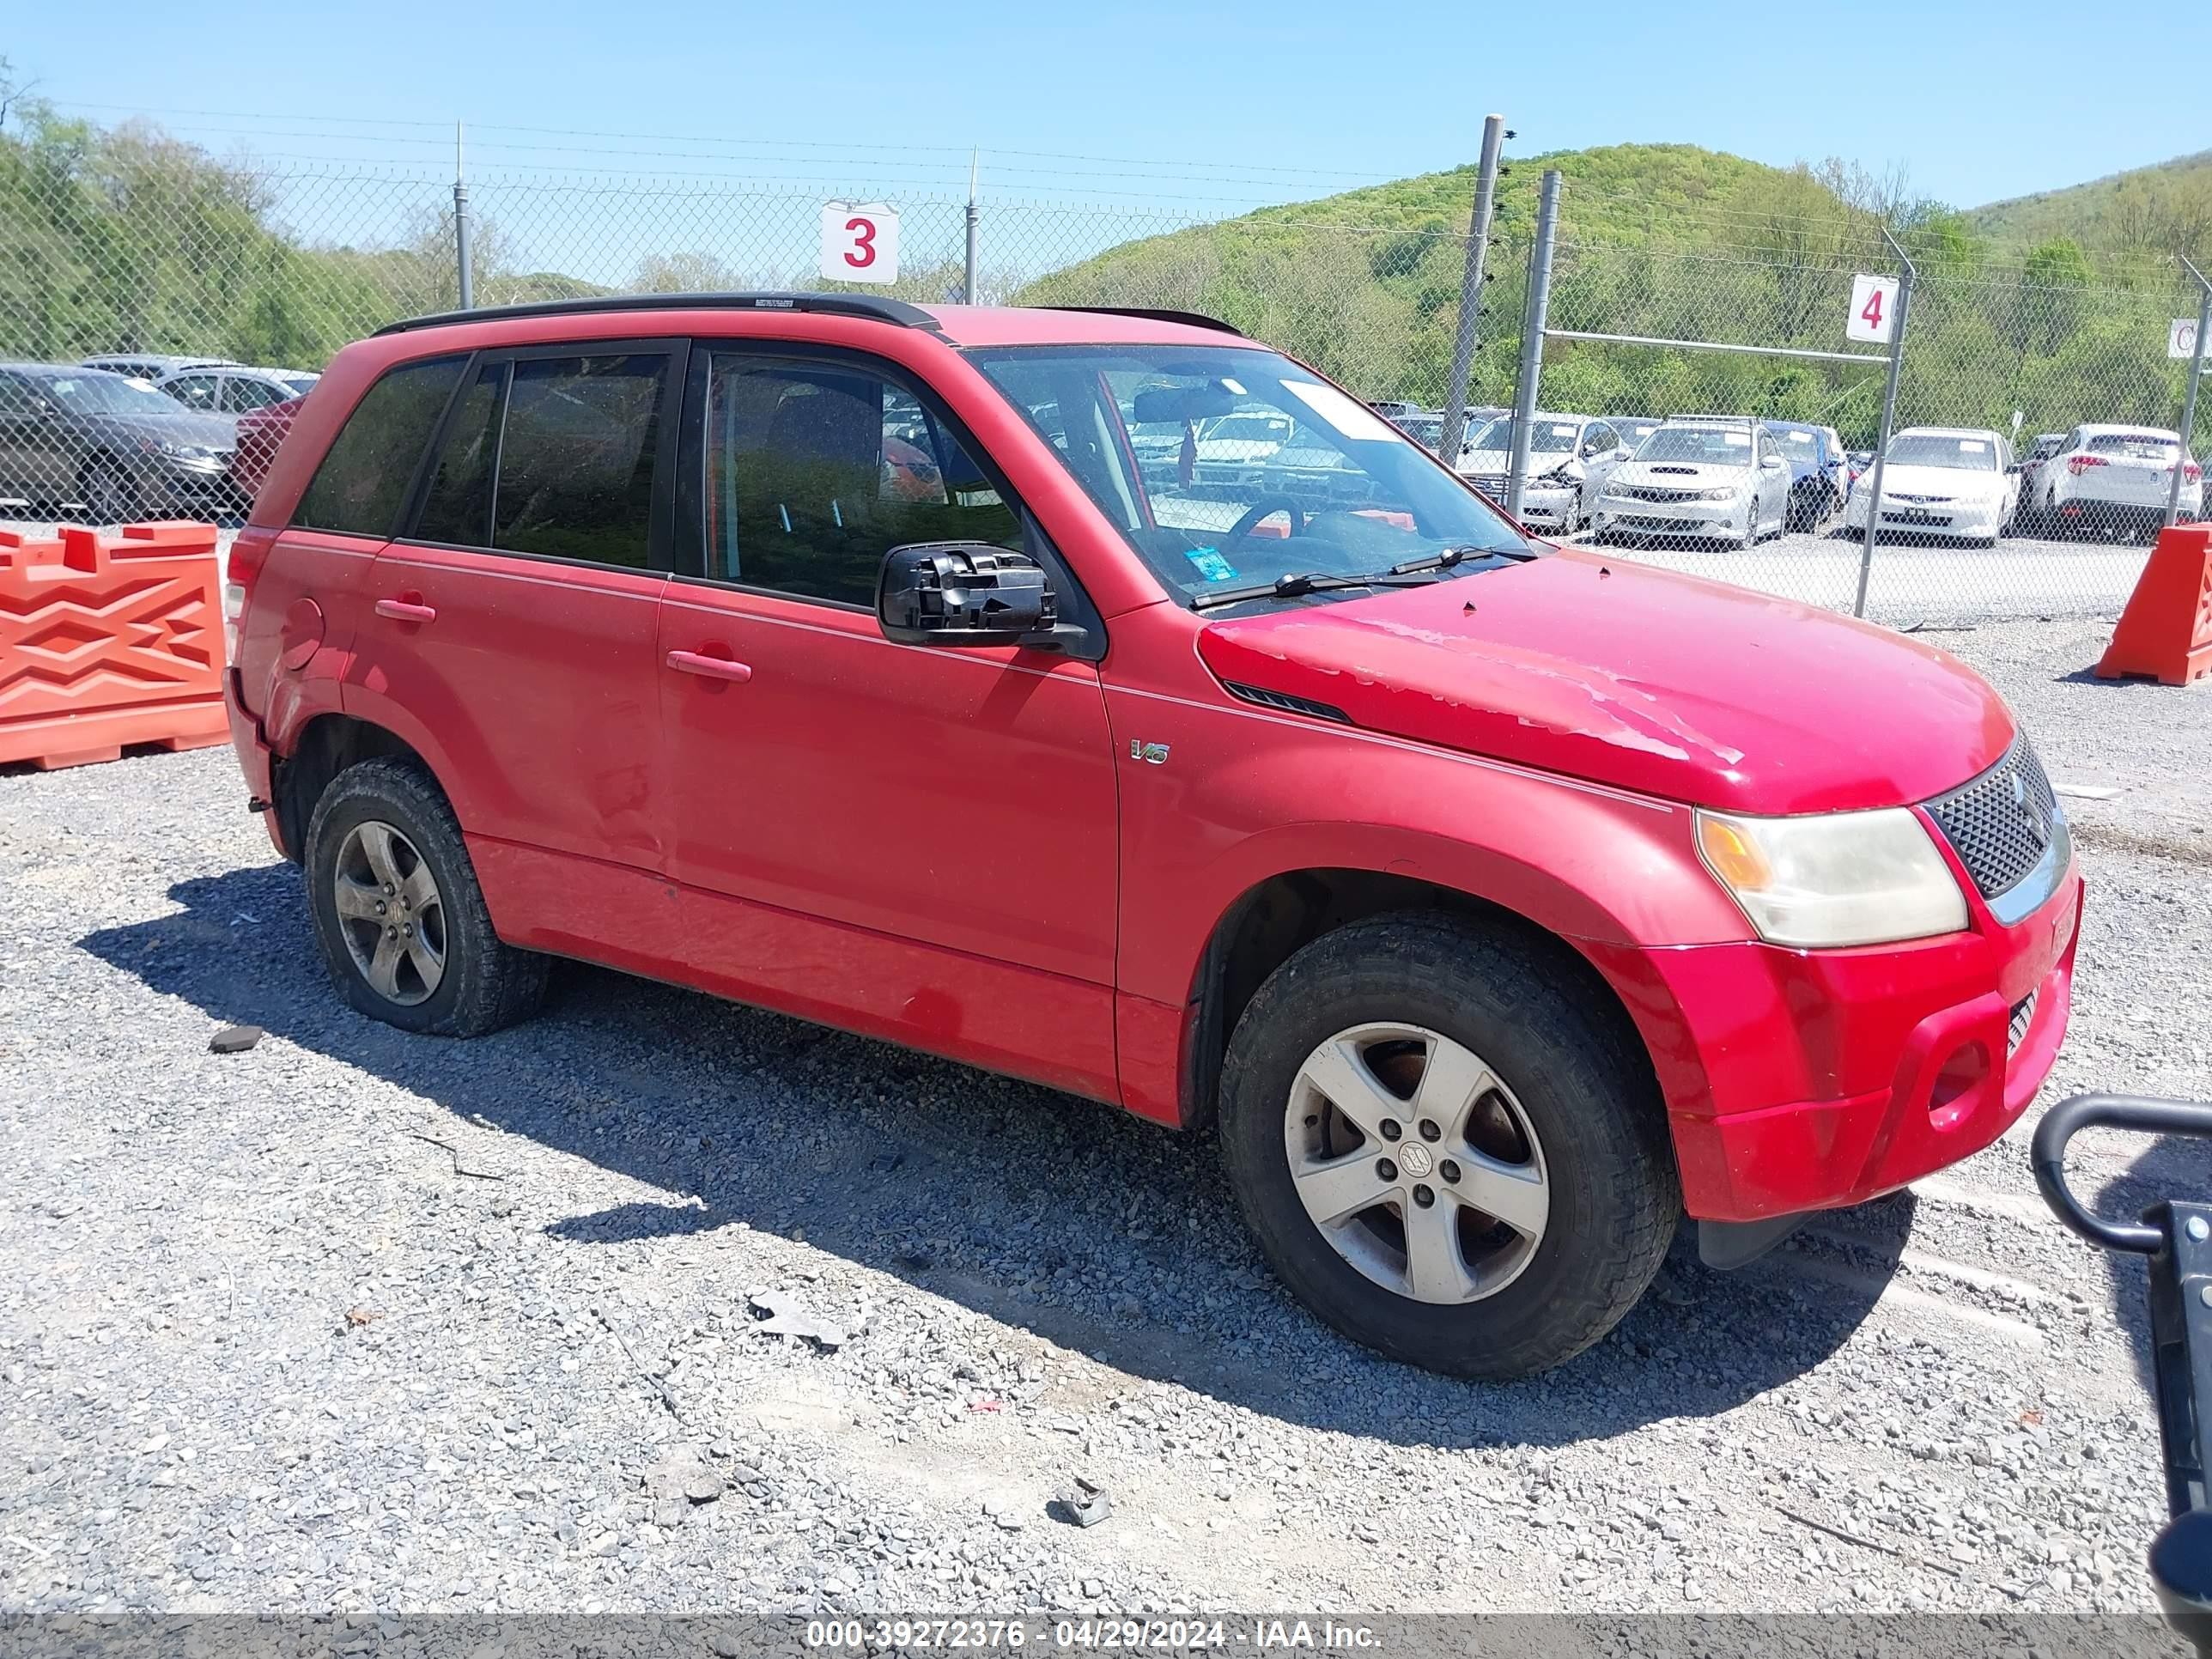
<point>1453,556</point>
<point>1311,581</point>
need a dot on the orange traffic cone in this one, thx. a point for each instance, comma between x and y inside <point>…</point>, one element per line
<point>2165,632</point>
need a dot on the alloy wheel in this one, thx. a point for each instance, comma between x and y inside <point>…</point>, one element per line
<point>391,913</point>
<point>1415,1162</point>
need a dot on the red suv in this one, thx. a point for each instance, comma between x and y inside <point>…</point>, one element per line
<point>962,678</point>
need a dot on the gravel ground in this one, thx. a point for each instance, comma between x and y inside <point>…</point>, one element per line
<point>356,1321</point>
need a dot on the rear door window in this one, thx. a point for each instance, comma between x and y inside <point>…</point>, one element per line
<point>577,456</point>
<point>363,481</point>
<point>240,395</point>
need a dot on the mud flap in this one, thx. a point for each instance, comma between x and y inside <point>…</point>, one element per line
<point>1723,1245</point>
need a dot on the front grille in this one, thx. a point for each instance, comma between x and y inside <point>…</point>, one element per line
<point>1286,703</point>
<point>1491,484</point>
<point>1642,493</point>
<point>2002,823</point>
<point>1926,519</point>
<point>2023,1016</point>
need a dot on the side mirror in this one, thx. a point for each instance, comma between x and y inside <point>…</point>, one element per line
<point>964,593</point>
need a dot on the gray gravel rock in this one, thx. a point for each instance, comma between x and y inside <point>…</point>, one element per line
<point>1035,1285</point>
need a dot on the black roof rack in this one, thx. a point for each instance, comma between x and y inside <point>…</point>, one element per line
<point>1195,318</point>
<point>837,305</point>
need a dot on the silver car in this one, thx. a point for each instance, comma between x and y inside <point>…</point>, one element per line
<point>1569,459</point>
<point>1701,476</point>
<point>231,390</point>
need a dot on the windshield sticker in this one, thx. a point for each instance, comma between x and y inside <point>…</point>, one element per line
<point>1352,418</point>
<point>1736,440</point>
<point>1972,445</point>
<point>1563,432</point>
<point>1210,565</point>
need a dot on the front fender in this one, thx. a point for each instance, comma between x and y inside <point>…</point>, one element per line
<point>1248,795</point>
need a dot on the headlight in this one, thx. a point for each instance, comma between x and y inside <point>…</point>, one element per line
<point>1839,878</point>
<point>1726,493</point>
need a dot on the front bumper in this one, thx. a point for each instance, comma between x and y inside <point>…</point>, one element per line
<point>1813,1080</point>
<point>1630,517</point>
<point>1547,503</point>
<point>1972,521</point>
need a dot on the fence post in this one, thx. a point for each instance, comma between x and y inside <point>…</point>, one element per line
<point>2188,401</point>
<point>1470,291</point>
<point>968,285</point>
<point>465,266</point>
<point>1888,417</point>
<point>1532,339</point>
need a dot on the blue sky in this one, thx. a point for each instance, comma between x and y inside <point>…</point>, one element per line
<point>1232,106</point>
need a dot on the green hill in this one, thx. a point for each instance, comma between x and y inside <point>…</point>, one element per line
<point>2159,209</point>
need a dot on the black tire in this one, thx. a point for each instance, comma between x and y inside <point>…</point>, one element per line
<point>111,496</point>
<point>1589,1096</point>
<point>486,983</point>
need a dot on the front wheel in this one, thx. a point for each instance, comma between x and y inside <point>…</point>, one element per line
<point>1444,1149</point>
<point>398,911</point>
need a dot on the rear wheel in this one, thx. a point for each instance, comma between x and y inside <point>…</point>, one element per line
<point>1443,1150</point>
<point>398,911</point>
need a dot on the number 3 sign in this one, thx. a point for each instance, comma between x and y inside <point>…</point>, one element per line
<point>860,244</point>
<point>1874,309</point>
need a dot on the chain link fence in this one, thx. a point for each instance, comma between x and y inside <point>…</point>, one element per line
<point>129,245</point>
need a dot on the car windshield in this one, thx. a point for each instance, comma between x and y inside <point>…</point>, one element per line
<point>1548,436</point>
<point>1268,472</point>
<point>1426,432</point>
<point>1635,432</point>
<point>95,392</point>
<point>1796,441</point>
<point>1932,449</point>
<point>1707,445</point>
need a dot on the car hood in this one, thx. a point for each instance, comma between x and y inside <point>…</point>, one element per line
<point>1638,677</point>
<point>184,427</point>
<point>1678,475</point>
<point>1952,482</point>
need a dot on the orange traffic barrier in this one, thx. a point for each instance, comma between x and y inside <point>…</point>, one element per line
<point>2165,632</point>
<point>107,640</point>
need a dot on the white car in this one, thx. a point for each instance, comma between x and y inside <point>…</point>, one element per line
<point>232,389</point>
<point>1704,476</point>
<point>1948,481</point>
<point>1569,459</point>
<point>2112,478</point>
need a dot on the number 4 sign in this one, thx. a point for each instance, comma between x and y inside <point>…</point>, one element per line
<point>1873,307</point>
<point>860,244</point>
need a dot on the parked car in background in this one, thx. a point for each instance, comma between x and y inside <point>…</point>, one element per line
<point>1855,462</point>
<point>1704,476</point>
<point>1490,908</point>
<point>259,434</point>
<point>84,437</point>
<point>1569,459</point>
<point>2046,445</point>
<point>1817,485</point>
<point>1956,481</point>
<point>1634,428</point>
<point>150,366</point>
<point>1428,431</point>
<point>234,391</point>
<point>2113,480</point>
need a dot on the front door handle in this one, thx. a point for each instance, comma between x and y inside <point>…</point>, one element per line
<point>406,611</point>
<point>712,668</point>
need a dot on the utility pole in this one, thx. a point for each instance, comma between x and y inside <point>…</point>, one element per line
<point>461,227</point>
<point>1470,290</point>
<point>1532,340</point>
<point>975,162</point>
<point>1888,417</point>
<point>2189,402</point>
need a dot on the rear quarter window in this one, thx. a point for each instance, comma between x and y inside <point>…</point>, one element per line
<point>362,482</point>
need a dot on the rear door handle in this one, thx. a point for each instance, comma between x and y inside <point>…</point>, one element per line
<point>712,668</point>
<point>404,610</point>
